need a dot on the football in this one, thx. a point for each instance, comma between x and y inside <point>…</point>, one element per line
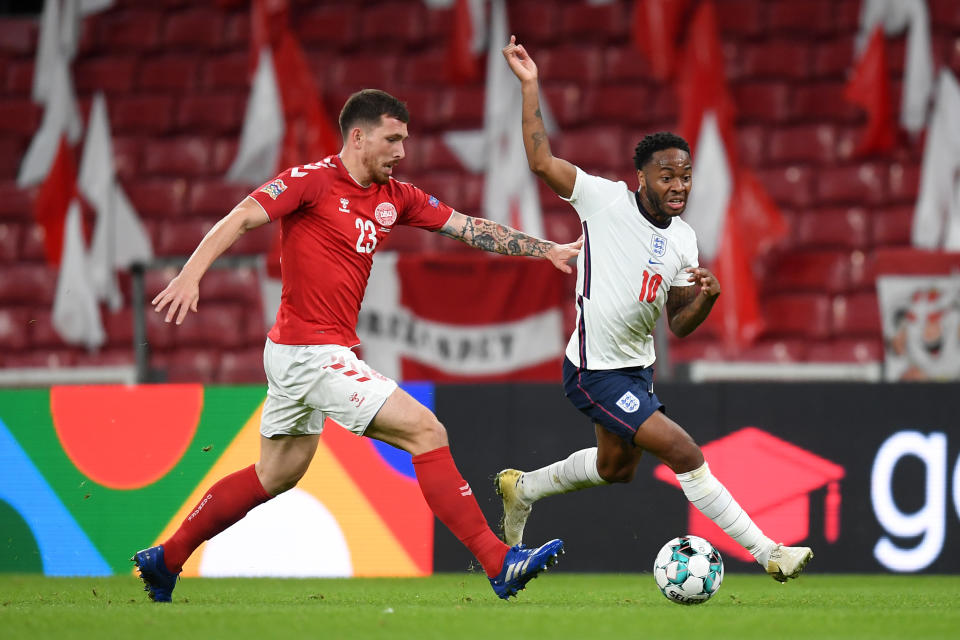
<point>688,570</point>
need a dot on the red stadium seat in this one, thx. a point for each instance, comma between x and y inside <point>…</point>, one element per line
<point>804,315</point>
<point>14,329</point>
<point>28,283</point>
<point>10,234</point>
<point>242,367</point>
<point>892,226</point>
<point>193,365</point>
<point>775,350</point>
<point>856,315</point>
<point>606,22</point>
<point>812,271</point>
<point>847,350</point>
<point>846,228</point>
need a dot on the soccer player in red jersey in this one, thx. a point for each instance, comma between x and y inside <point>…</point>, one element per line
<point>334,214</point>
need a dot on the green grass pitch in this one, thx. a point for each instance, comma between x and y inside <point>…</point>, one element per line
<point>462,606</point>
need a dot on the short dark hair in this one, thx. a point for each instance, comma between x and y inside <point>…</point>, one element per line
<point>367,106</point>
<point>657,142</point>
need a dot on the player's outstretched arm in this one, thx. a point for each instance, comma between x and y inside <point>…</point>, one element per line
<point>497,238</point>
<point>688,307</point>
<point>557,173</point>
<point>183,292</point>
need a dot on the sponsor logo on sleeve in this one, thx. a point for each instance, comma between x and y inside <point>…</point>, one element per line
<point>274,189</point>
<point>385,213</point>
<point>434,202</point>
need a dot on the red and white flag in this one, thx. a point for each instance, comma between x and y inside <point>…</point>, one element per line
<point>418,321</point>
<point>510,194</point>
<point>119,238</point>
<point>61,118</point>
<point>76,314</point>
<point>263,127</point>
<point>897,16</point>
<point>936,221</point>
<point>734,218</point>
<point>869,87</point>
<point>655,27</point>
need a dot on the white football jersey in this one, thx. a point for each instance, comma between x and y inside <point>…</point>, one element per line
<point>624,271</point>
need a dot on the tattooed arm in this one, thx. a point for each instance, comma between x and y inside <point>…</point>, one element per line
<point>687,307</point>
<point>497,238</point>
<point>559,174</point>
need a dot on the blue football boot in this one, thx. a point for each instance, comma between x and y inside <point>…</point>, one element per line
<point>521,565</point>
<point>157,579</point>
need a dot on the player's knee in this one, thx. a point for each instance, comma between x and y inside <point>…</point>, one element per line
<point>276,481</point>
<point>432,432</point>
<point>616,472</point>
<point>684,456</point>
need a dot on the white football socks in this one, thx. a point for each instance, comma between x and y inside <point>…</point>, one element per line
<point>577,471</point>
<point>714,501</point>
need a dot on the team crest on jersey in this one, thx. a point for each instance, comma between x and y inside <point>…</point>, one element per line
<point>385,213</point>
<point>274,189</point>
<point>658,245</point>
<point>629,402</point>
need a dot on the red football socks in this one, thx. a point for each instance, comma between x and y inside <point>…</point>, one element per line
<point>451,500</point>
<point>226,502</point>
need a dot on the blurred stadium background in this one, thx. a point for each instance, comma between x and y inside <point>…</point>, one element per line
<point>826,139</point>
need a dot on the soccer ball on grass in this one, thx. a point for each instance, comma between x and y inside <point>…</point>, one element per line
<point>688,570</point>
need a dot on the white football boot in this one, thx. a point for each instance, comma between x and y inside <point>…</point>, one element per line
<point>515,509</point>
<point>788,562</point>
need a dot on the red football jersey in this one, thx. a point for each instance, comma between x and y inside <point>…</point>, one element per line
<point>331,227</point>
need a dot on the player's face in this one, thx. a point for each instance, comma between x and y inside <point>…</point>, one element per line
<point>666,181</point>
<point>383,148</point>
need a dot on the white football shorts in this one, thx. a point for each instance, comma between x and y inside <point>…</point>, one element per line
<point>306,384</point>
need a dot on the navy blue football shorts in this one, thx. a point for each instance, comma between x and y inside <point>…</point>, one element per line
<point>619,400</point>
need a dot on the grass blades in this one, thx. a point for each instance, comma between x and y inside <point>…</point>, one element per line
<point>462,606</point>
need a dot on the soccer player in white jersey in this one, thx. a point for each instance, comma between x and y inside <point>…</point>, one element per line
<point>335,214</point>
<point>638,257</point>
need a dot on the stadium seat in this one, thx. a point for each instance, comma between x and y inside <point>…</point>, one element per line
<point>170,72</point>
<point>48,358</point>
<point>891,226</point>
<point>604,22</point>
<point>394,23</point>
<point>844,228</point>
<point>14,329</point>
<point>220,113</point>
<point>198,28</point>
<point>539,20</point>
<point>10,233</point>
<point>185,155</point>
<point>810,271</point>
<point>158,197</point>
<point>597,148</point>
<point>576,64</point>
<point>142,114</point>
<point>214,197</point>
<point>622,103</point>
<point>110,74</point>
<point>193,365</point>
<point>28,283</point>
<point>241,285</point>
<point>856,315</point>
<point>803,143</point>
<point>805,315</point>
<point>777,59</point>
<point>775,350</point>
<point>847,350</point>
<point>242,367</point>
<point>217,325</point>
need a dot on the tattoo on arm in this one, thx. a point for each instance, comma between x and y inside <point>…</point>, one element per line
<point>539,137</point>
<point>494,237</point>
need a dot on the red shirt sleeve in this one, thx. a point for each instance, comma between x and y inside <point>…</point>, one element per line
<point>421,209</point>
<point>287,192</point>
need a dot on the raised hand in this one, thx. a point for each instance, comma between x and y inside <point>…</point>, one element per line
<point>519,60</point>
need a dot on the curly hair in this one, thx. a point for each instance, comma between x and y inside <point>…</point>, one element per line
<point>657,142</point>
<point>367,106</point>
